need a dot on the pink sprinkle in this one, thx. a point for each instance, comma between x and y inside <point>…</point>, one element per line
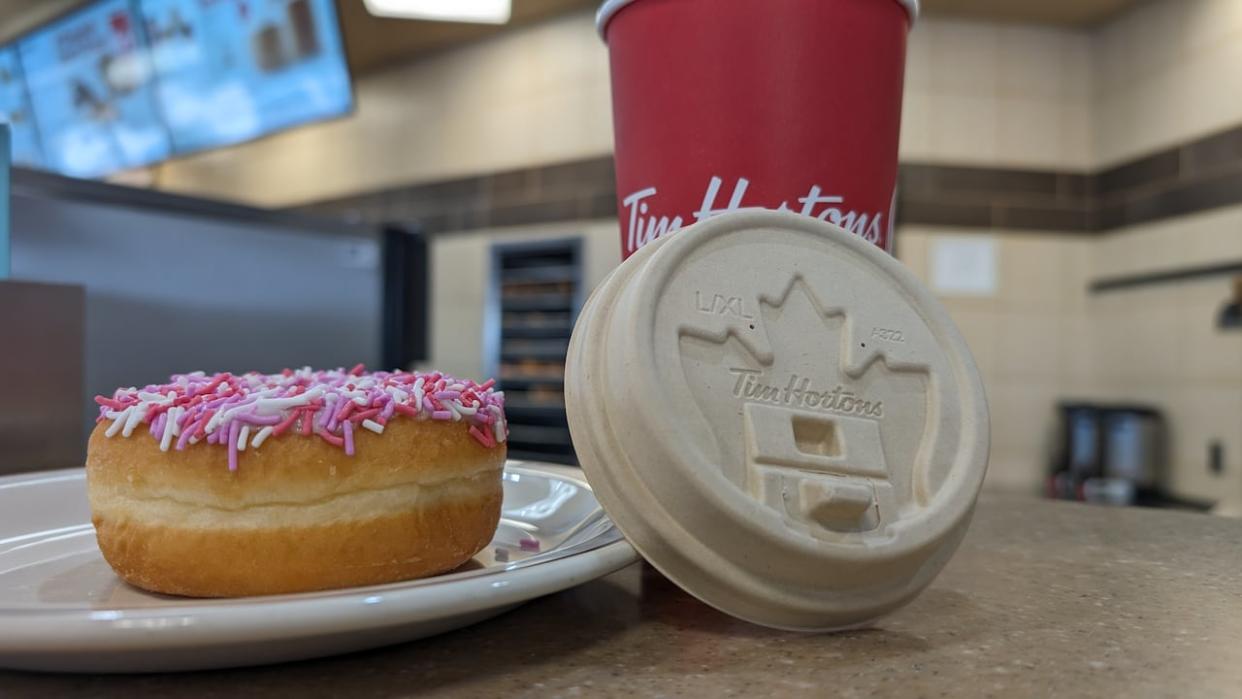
<point>256,419</point>
<point>528,544</point>
<point>484,438</point>
<point>487,384</point>
<point>234,428</point>
<point>364,415</point>
<point>285,424</point>
<point>349,437</point>
<point>406,410</point>
<point>331,439</point>
<point>441,415</point>
<point>358,369</point>
<point>345,410</point>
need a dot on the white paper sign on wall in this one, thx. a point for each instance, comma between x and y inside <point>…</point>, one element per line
<point>964,266</point>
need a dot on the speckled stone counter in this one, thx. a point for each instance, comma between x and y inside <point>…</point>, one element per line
<point>1043,599</point>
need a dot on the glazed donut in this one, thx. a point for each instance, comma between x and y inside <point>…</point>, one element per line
<point>253,484</point>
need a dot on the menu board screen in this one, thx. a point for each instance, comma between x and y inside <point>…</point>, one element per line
<point>89,81</point>
<point>231,70</point>
<point>15,111</point>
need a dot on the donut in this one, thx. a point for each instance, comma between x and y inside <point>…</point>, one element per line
<point>258,484</point>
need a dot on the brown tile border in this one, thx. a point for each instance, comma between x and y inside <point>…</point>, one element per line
<point>1202,174</point>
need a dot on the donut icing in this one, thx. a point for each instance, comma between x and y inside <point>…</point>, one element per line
<point>245,410</point>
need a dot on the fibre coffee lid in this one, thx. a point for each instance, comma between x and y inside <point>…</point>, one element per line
<point>780,418</point>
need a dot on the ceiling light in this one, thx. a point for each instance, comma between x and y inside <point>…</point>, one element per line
<point>477,11</point>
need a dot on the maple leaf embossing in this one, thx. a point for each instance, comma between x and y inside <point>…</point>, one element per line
<point>828,403</point>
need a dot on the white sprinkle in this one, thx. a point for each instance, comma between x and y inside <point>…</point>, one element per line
<point>214,422</point>
<point>361,401</point>
<point>262,435</point>
<point>194,439</point>
<point>373,426</point>
<point>272,406</point>
<point>498,430</point>
<point>134,418</point>
<point>174,417</point>
<point>242,437</point>
<point>464,410</point>
<point>118,422</point>
<point>169,423</point>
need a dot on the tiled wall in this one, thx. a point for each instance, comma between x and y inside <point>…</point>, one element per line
<point>1165,72</point>
<point>1160,344</point>
<point>1027,339</point>
<point>976,93</point>
<point>984,93</point>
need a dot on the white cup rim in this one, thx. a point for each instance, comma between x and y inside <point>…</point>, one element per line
<point>610,8</point>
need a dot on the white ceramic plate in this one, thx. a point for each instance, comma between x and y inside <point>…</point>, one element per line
<point>62,608</point>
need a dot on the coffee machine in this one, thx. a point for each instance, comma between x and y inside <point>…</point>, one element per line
<point>1109,453</point>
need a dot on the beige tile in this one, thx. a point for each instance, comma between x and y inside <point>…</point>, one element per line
<point>1110,58</point>
<point>1077,67</point>
<point>1208,104</point>
<point>912,251</point>
<point>1028,132</point>
<point>1076,146</point>
<point>915,141</point>
<point>1076,273</point>
<point>1211,355</point>
<point>1150,247</point>
<point>1157,108</point>
<point>962,128</point>
<point>1201,416</point>
<point>1029,61</point>
<point>918,60</point>
<point>1150,347</point>
<point>1029,346</point>
<point>1030,272</point>
<point>1147,38</point>
<point>982,331</point>
<point>1015,471</point>
<point>1214,235</point>
<point>1113,128</point>
<point>1111,357</point>
<point>1210,23</point>
<point>1024,415</point>
<point>1076,349</point>
<point>963,56</point>
<point>1112,256</point>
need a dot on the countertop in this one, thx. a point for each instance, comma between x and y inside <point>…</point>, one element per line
<point>1043,598</point>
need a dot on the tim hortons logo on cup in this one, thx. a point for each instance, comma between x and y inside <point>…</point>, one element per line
<point>643,226</point>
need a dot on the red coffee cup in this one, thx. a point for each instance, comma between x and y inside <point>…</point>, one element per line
<point>721,105</point>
